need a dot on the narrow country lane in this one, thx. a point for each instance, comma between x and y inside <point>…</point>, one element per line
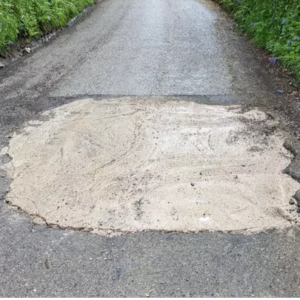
<point>140,157</point>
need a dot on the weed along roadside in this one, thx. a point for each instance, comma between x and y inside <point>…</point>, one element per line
<point>274,25</point>
<point>32,18</point>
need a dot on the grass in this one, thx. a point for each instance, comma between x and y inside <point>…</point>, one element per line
<point>31,18</point>
<point>274,25</point>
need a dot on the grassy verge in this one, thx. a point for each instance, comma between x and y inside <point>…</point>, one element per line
<point>31,18</point>
<point>274,25</point>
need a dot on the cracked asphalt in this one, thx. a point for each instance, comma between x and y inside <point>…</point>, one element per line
<point>181,49</point>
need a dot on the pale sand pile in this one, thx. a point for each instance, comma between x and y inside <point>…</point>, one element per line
<point>128,165</point>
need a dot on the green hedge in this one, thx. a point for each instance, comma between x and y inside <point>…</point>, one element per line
<point>29,18</point>
<point>274,24</point>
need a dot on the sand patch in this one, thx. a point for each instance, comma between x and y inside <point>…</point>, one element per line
<point>126,165</point>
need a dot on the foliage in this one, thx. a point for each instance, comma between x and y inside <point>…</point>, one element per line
<point>30,18</point>
<point>274,24</point>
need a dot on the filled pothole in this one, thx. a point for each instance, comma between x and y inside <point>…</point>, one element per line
<point>127,165</point>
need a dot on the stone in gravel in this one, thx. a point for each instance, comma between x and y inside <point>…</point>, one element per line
<point>297,196</point>
<point>27,50</point>
<point>292,202</point>
<point>279,92</point>
<point>1,65</point>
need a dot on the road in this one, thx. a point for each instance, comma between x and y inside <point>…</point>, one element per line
<point>134,161</point>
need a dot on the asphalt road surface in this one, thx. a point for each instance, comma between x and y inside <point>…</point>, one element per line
<point>183,54</point>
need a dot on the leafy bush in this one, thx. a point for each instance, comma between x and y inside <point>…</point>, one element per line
<point>32,17</point>
<point>274,24</point>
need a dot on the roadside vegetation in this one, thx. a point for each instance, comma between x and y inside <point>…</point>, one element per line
<point>31,18</point>
<point>274,25</point>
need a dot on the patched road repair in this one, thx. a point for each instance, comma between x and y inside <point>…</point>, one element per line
<point>141,156</point>
<point>126,165</point>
